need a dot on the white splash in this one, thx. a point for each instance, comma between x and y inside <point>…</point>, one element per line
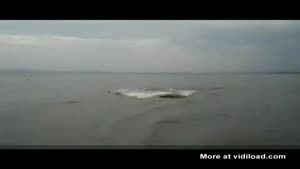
<point>142,94</point>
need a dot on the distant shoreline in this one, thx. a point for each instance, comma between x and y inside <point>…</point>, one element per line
<point>60,71</point>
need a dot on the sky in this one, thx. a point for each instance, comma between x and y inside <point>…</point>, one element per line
<point>151,46</point>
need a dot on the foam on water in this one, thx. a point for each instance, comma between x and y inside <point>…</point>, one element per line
<point>141,94</point>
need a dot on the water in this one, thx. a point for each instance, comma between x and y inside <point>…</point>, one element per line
<point>149,93</point>
<point>78,109</point>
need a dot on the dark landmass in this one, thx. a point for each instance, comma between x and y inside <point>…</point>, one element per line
<point>285,73</point>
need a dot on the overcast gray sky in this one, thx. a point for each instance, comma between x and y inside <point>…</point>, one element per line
<point>151,46</point>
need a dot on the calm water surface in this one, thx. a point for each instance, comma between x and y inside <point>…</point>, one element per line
<point>78,109</point>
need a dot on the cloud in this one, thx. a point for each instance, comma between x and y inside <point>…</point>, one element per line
<point>73,53</point>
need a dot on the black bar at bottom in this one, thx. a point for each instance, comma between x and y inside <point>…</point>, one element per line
<point>150,157</point>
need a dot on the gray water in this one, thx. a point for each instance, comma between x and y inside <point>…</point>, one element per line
<point>78,109</point>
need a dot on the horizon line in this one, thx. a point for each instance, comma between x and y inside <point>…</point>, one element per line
<point>16,70</point>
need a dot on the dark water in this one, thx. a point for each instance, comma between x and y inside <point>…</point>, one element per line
<point>77,109</point>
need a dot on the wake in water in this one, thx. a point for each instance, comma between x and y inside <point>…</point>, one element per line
<point>167,93</point>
